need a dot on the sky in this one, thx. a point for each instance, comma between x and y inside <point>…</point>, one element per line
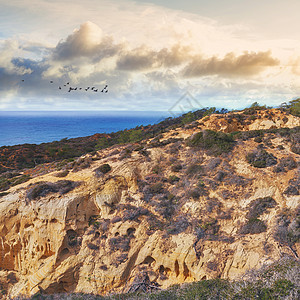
<point>152,55</point>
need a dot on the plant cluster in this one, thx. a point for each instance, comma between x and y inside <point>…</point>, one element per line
<point>42,189</point>
<point>10,179</point>
<point>260,158</point>
<point>214,142</point>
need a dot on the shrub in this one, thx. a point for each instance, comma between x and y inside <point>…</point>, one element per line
<point>103,169</point>
<point>195,169</point>
<point>173,178</point>
<point>214,142</point>
<point>176,168</point>
<point>212,204</point>
<point>285,164</point>
<point>261,159</point>
<point>125,153</point>
<point>8,180</point>
<point>253,226</point>
<point>156,188</point>
<point>82,163</point>
<point>220,176</point>
<point>294,107</point>
<point>132,213</point>
<point>213,163</point>
<point>288,227</point>
<point>156,169</point>
<point>258,206</point>
<point>42,189</point>
<point>195,193</point>
<point>294,187</point>
<point>121,243</point>
<point>63,173</point>
<point>178,226</point>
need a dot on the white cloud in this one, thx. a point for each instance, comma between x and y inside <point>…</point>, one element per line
<point>146,53</point>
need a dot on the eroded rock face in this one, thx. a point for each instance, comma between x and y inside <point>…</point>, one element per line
<point>147,219</point>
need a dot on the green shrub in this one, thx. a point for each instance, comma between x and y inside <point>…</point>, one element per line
<point>253,226</point>
<point>173,178</point>
<point>258,206</point>
<point>103,169</point>
<point>261,159</point>
<point>294,107</point>
<point>8,180</point>
<point>214,142</point>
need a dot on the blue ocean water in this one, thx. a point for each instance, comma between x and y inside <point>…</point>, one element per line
<point>40,126</point>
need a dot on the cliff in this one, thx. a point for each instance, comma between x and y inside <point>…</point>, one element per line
<point>212,199</point>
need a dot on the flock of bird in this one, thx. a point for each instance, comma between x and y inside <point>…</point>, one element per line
<point>89,88</point>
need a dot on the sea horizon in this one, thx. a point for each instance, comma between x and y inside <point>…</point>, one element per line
<point>36,127</point>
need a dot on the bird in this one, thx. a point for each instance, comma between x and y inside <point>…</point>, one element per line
<point>51,81</point>
<point>106,91</point>
<point>59,87</point>
<point>96,90</point>
<point>102,91</point>
<point>68,82</point>
<point>64,85</point>
<point>80,88</point>
<point>23,80</point>
<point>105,86</point>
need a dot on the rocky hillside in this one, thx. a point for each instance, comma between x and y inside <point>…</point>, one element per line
<point>213,198</point>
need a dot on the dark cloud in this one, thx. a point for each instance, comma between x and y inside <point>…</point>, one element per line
<point>246,64</point>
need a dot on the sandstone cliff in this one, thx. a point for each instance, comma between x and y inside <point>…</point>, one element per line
<point>168,207</point>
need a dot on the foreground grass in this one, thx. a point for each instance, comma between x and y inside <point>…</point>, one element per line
<point>280,280</point>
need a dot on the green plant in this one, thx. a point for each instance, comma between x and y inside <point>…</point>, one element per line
<point>105,168</point>
<point>261,159</point>
<point>253,226</point>
<point>173,178</point>
<point>258,206</point>
<point>214,142</point>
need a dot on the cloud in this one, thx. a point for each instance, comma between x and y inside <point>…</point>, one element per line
<point>247,64</point>
<point>144,58</point>
<point>87,41</point>
<point>7,53</point>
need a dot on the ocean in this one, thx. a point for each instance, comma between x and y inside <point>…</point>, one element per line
<point>35,127</point>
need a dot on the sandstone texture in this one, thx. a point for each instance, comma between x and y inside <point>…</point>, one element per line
<point>173,212</point>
